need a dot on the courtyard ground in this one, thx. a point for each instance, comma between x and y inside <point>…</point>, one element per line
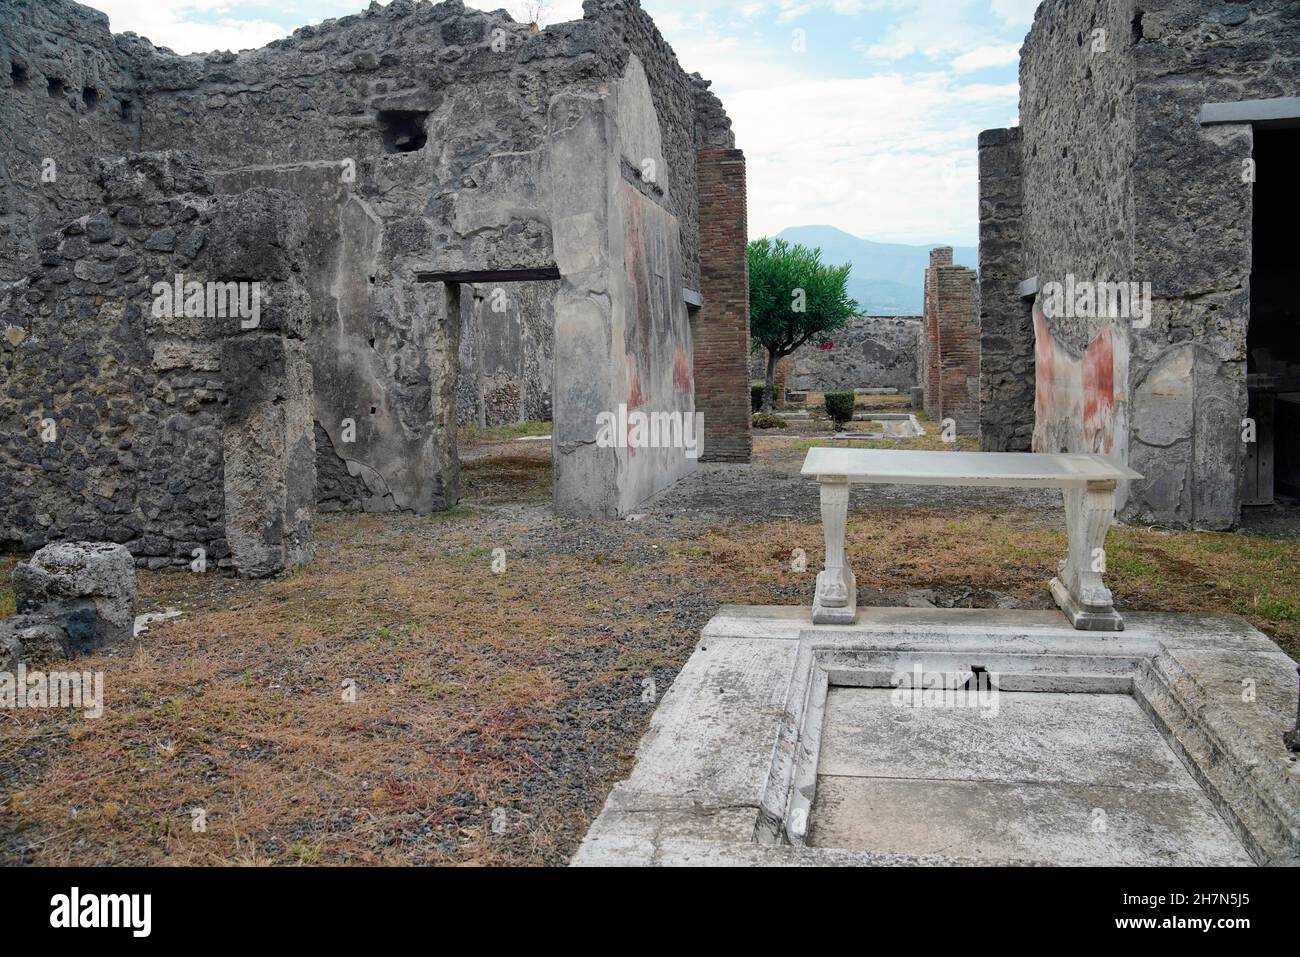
<point>494,710</point>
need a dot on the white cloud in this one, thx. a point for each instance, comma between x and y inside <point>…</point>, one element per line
<point>999,55</point>
<point>177,24</point>
<point>1015,12</point>
<point>892,157</point>
<point>883,51</point>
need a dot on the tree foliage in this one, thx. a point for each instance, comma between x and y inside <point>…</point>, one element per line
<point>793,298</point>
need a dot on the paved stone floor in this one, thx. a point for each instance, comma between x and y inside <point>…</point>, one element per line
<point>1061,778</point>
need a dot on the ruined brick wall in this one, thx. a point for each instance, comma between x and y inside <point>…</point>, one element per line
<point>67,96</point>
<point>720,329</point>
<point>114,413</point>
<point>956,296</point>
<point>931,383</point>
<point>1006,330</point>
<point>868,352</point>
<point>950,353</point>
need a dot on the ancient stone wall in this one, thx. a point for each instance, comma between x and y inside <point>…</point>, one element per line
<point>868,352</point>
<point>67,96</point>
<point>1192,241</point>
<point>1006,331</point>
<point>1078,145</point>
<point>421,139</point>
<point>1121,181</point>
<point>124,398</point>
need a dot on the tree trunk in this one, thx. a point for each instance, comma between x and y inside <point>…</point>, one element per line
<point>769,400</point>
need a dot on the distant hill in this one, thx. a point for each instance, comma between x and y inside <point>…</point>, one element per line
<point>888,279</point>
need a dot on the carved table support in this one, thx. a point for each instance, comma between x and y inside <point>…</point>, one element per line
<point>1078,587</point>
<point>837,589</point>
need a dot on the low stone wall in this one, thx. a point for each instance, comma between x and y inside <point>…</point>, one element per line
<point>869,352</point>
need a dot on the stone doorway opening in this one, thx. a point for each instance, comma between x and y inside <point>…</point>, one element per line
<point>504,381</point>
<point>1272,473</point>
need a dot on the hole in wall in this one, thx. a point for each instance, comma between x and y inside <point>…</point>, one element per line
<point>128,111</point>
<point>90,96</point>
<point>403,130</point>
<point>1137,26</point>
<point>55,87</point>
<point>18,74</point>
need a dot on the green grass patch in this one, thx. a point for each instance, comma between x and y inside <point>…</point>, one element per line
<point>472,434</point>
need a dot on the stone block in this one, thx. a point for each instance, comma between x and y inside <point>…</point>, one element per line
<point>89,587</point>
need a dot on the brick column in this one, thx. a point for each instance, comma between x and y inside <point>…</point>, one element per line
<point>721,329</point>
<point>959,347</point>
<point>951,343</point>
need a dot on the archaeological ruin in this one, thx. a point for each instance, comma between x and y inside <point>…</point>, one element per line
<point>241,286</point>
<point>874,352</point>
<point>1134,263</point>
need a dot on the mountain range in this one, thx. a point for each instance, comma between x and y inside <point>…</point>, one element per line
<point>888,279</point>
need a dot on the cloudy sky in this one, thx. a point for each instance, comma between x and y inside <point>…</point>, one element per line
<point>860,114</point>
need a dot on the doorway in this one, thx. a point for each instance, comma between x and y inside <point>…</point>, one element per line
<point>1273,335</point>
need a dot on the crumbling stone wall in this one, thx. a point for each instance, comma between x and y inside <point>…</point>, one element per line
<point>421,140</point>
<point>1192,216</point>
<point>114,412</point>
<point>67,97</point>
<point>1121,181</point>
<point>868,352</point>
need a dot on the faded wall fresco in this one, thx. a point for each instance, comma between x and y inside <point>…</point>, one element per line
<point>1081,403</point>
<point>622,334</point>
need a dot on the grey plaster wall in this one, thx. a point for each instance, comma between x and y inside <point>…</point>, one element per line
<point>867,353</point>
<point>622,334</point>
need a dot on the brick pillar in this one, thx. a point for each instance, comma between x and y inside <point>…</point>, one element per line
<point>930,379</point>
<point>721,330</point>
<point>959,347</point>
<point>951,343</point>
